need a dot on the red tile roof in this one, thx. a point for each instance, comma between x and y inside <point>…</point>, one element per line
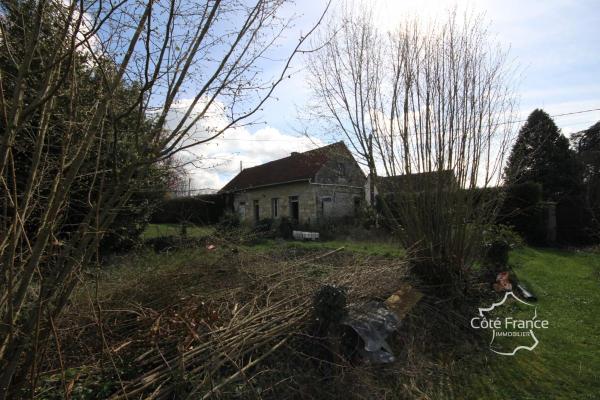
<point>296,167</point>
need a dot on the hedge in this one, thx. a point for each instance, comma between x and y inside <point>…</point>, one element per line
<point>521,207</point>
<point>201,210</point>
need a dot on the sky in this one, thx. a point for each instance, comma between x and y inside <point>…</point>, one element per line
<point>554,46</point>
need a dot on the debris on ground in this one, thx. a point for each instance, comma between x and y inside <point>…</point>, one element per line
<point>506,282</point>
<point>403,300</point>
<point>211,247</point>
<point>502,283</point>
<point>364,327</point>
<point>525,293</point>
<point>301,235</point>
<point>373,322</point>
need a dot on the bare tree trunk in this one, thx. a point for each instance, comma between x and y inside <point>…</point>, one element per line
<point>105,90</point>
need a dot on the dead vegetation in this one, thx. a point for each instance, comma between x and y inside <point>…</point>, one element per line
<point>228,323</point>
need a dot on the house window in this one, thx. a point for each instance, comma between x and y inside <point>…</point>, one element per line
<point>256,211</point>
<point>274,207</point>
<point>294,208</point>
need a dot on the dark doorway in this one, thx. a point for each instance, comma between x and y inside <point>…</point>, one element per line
<point>294,208</point>
<point>357,206</point>
<point>256,211</point>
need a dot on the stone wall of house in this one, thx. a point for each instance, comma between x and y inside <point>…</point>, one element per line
<point>243,202</point>
<point>339,187</point>
<point>318,203</point>
<point>341,170</point>
<point>337,201</point>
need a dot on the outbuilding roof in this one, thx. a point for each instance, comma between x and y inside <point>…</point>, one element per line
<point>416,181</point>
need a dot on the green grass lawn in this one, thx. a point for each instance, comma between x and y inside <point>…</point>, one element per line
<point>364,247</point>
<point>157,230</point>
<point>566,363</point>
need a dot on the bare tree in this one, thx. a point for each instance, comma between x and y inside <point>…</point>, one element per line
<point>345,77</point>
<point>141,59</point>
<point>430,102</point>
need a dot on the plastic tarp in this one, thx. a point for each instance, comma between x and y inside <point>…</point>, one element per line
<point>373,322</point>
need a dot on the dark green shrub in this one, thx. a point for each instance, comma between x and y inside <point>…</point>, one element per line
<point>329,304</point>
<point>365,217</point>
<point>498,240</point>
<point>129,224</point>
<point>200,210</point>
<point>229,220</point>
<point>497,254</point>
<point>285,227</point>
<point>265,227</point>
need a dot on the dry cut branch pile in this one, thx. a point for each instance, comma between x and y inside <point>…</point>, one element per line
<point>225,342</point>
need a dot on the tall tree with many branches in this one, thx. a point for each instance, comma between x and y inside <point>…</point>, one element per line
<point>425,99</point>
<point>145,60</point>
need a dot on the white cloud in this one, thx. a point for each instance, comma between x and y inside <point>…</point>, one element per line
<point>214,163</point>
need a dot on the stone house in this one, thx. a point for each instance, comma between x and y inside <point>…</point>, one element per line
<point>310,188</point>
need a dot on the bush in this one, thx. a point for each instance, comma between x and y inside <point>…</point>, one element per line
<point>285,228</point>
<point>265,226</point>
<point>275,228</point>
<point>123,237</point>
<point>229,220</point>
<point>129,224</point>
<point>498,240</point>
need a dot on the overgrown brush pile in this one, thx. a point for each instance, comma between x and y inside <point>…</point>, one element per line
<point>227,323</point>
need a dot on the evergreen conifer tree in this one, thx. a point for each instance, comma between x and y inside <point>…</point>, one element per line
<point>542,154</point>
